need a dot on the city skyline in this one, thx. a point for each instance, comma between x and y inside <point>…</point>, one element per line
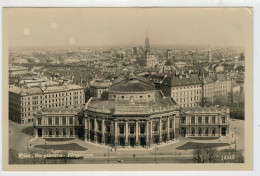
<point>89,27</point>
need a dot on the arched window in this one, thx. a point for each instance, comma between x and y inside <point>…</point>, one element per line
<point>71,131</point>
<point>200,131</point>
<point>57,132</point>
<point>64,131</point>
<point>192,131</point>
<point>39,121</point>
<point>213,131</point>
<point>207,131</point>
<point>50,132</point>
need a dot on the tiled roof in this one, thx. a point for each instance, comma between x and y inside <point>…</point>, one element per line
<point>177,81</point>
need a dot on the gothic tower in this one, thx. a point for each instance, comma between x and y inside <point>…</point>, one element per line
<point>147,43</point>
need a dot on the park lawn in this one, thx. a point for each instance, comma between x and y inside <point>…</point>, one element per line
<point>193,145</point>
<point>72,147</point>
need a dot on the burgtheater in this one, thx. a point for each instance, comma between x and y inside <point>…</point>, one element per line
<point>133,113</point>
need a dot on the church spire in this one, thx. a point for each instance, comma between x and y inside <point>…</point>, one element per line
<point>147,43</point>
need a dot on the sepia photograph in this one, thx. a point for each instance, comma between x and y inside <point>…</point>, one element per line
<point>123,88</point>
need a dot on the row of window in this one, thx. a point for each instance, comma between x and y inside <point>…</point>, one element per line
<point>184,93</point>
<point>206,120</point>
<point>57,121</point>
<point>52,95</point>
<point>179,88</point>
<point>60,132</point>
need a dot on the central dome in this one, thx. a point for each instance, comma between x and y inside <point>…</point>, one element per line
<point>132,84</point>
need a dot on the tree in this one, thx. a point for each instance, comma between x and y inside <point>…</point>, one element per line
<point>13,156</point>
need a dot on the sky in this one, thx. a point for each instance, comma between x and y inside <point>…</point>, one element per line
<point>54,27</point>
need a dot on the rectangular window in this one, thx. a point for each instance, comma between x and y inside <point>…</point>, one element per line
<point>64,121</point>
<point>71,120</point>
<point>108,128</point>
<point>183,120</point>
<point>50,121</point>
<point>56,121</point>
<point>192,120</point>
<point>213,120</point>
<point>132,129</point>
<point>121,129</point>
<point>199,120</point>
<point>223,119</point>
<point>142,128</point>
<point>206,120</point>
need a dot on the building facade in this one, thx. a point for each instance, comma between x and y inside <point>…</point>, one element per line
<point>59,123</point>
<point>133,114</point>
<point>23,102</point>
<point>185,90</point>
<point>204,122</point>
<point>17,70</point>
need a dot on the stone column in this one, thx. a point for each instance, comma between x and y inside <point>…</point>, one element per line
<point>89,122</point>
<point>147,133</point>
<point>36,132</point>
<point>95,130</point>
<point>151,131</point>
<point>160,130</point>
<point>168,128</point>
<point>116,139</point>
<point>136,133</point>
<point>173,126</point>
<point>43,132</point>
<point>126,133</point>
<point>103,131</point>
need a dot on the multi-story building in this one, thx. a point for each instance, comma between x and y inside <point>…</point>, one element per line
<point>134,113</point>
<point>185,90</point>
<point>204,122</point>
<point>59,123</point>
<point>208,89</point>
<point>23,102</point>
<point>222,86</point>
<point>17,70</point>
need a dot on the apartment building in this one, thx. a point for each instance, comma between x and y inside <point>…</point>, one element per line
<point>23,102</point>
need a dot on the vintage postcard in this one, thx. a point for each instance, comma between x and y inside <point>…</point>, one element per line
<point>127,89</point>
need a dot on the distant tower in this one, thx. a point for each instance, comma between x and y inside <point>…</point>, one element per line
<point>147,43</point>
<point>209,54</point>
<point>169,53</point>
<point>134,50</point>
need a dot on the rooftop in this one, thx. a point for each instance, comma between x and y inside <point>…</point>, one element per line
<point>132,84</point>
<point>43,89</point>
<point>177,81</point>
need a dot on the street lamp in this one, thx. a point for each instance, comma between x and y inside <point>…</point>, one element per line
<point>155,154</point>
<point>108,153</point>
<point>235,139</point>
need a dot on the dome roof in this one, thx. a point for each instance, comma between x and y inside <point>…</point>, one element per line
<point>132,84</point>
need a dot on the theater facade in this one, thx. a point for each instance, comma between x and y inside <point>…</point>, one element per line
<point>132,113</point>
